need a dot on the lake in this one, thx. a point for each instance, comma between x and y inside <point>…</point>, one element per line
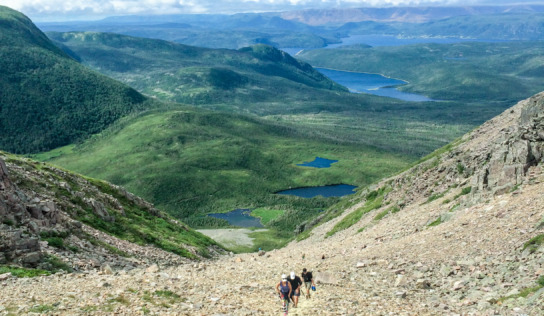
<point>358,82</point>
<point>239,217</point>
<point>318,162</point>
<point>325,191</point>
<point>391,40</point>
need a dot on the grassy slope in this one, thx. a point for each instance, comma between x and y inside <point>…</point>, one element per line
<point>192,162</point>
<point>49,100</point>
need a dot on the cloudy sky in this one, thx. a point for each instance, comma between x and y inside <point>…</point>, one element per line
<point>55,10</point>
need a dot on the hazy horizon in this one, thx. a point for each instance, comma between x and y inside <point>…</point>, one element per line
<point>61,10</point>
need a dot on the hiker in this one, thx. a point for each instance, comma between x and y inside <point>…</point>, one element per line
<point>296,282</point>
<point>284,290</point>
<point>308,281</point>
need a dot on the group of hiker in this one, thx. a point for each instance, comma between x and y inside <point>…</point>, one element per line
<point>289,288</point>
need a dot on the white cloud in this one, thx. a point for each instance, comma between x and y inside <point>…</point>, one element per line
<point>77,9</point>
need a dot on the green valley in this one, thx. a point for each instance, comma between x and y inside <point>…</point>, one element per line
<point>190,162</point>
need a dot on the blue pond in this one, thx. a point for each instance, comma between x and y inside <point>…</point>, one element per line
<point>239,217</point>
<point>318,163</point>
<point>325,191</point>
<point>358,82</point>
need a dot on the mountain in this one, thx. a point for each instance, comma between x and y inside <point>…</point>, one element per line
<point>192,75</point>
<point>459,233</point>
<point>207,30</point>
<point>48,99</point>
<point>54,219</point>
<point>400,14</point>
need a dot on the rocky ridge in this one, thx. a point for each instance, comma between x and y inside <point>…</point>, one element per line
<point>455,235</point>
<point>47,213</point>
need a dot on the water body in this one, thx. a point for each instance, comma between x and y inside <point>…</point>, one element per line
<point>391,40</point>
<point>318,162</point>
<point>388,40</point>
<point>358,82</point>
<point>325,191</point>
<point>239,217</point>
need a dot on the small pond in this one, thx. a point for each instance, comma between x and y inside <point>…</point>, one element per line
<point>325,191</point>
<point>239,217</point>
<point>318,162</point>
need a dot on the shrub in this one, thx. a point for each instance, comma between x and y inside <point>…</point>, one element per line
<point>534,243</point>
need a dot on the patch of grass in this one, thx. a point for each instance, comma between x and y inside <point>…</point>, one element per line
<point>121,299</point>
<point>8,222</point>
<point>23,272</point>
<point>267,215</point>
<point>89,308</point>
<point>362,229</point>
<point>436,222</point>
<point>460,168</point>
<point>56,242</point>
<point>381,215</point>
<point>374,201</point>
<point>464,191</point>
<point>57,264</point>
<point>526,291</point>
<point>534,243</point>
<point>435,197</point>
<point>42,309</point>
<point>455,207</point>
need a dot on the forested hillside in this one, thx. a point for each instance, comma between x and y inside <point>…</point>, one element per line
<point>195,75</point>
<point>48,99</point>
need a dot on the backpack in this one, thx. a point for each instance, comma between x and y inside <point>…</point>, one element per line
<point>307,276</point>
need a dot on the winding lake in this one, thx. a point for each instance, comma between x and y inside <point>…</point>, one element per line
<point>239,217</point>
<point>325,191</point>
<point>318,162</point>
<point>358,82</point>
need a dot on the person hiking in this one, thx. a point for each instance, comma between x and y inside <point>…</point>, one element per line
<point>284,290</point>
<point>296,282</point>
<point>308,281</point>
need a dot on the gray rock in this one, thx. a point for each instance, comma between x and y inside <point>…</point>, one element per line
<point>5,276</point>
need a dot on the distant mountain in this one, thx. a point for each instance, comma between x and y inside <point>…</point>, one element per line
<point>193,75</point>
<point>399,14</point>
<point>47,98</point>
<point>212,31</point>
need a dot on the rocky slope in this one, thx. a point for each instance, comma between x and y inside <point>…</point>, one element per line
<point>424,244</point>
<point>50,216</point>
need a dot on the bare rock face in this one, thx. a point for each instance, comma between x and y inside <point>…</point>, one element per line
<point>17,245</point>
<point>519,147</point>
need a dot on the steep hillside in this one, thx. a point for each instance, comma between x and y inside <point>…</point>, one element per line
<point>425,244</point>
<point>51,218</point>
<point>48,99</point>
<point>201,76</point>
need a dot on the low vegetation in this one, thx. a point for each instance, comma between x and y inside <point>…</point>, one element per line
<point>374,201</point>
<point>21,272</point>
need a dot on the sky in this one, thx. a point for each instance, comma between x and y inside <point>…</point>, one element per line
<point>62,10</point>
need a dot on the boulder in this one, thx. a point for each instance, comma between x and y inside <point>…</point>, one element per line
<point>324,277</point>
<point>152,269</point>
